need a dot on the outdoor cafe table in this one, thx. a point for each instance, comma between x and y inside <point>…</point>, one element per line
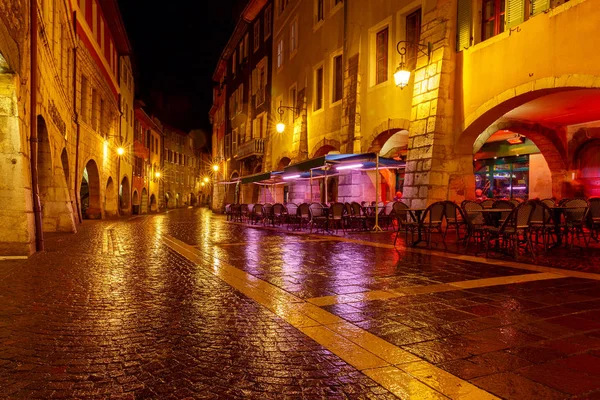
<point>492,215</point>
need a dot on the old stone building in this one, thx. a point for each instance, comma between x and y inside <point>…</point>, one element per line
<point>501,95</point>
<point>181,176</point>
<point>245,69</point>
<point>148,154</point>
<point>60,124</point>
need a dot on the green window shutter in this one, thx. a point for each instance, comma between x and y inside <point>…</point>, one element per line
<point>515,10</point>
<point>464,20</point>
<point>539,6</point>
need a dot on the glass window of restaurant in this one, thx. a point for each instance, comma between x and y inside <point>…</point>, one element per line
<point>506,177</point>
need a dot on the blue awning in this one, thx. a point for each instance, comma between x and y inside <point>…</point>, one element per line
<point>368,161</point>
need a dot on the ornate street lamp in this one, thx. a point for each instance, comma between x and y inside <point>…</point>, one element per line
<point>402,74</point>
<point>280,127</point>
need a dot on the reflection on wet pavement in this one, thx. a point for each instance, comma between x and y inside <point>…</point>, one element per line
<point>185,304</point>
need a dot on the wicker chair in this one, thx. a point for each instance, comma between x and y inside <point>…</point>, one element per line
<point>268,213</point>
<point>594,216</point>
<point>386,215</point>
<point>337,212</point>
<point>358,219</point>
<point>278,214</point>
<point>258,213</point>
<point>542,224</point>
<point>501,205</point>
<point>403,219</point>
<point>318,218</point>
<point>431,221</point>
<point>575,220</point>
<point>228,216</point>
<point>291,216</point>
<point>476,226</point>
<point>549,202</point>
<point>515,202</point>
<point>303,215</point>
<point>244,212</point>
<point>515,225</point>
<point>454,218</point>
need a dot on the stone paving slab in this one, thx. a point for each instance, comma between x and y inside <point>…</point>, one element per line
<point>112,312</point>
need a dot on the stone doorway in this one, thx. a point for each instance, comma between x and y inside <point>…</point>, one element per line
<point>89,192</point>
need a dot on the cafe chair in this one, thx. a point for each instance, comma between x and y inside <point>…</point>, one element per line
<point>594,217</point>
<point>549,202</point>
<point>476,226</point>
<point>513,232</point>
<point>278,214</point>
<point>318,218</point>
<point>258,213</point>
<point>575,221</point>
<point>337,217</point>
<point>291,217</point>
<point>501,205</point>
<point>431,221</point>
<point>488,203</point>
<point>454,218</point>
<point>404,220</point>
<point>303,215</point>
<point>542,224</point>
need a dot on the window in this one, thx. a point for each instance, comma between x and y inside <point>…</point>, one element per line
<point>268,18</point>
<point>242,51</point>
<point>227,145</point>
<point>319,88</point>
<point>234,142</point>
<point>256,35</point>
<point>381,57</point>
<point>280,53</point>
<point>320,10</point>
<point>338,76</point>
<point>293,37</point>
<point>233,63</point>
<point>293,101</point>
<point>102,118</point>
<point>84,99</point>
<point>493,13</point>
<point>413,35</point>
<point>94,109</point>
<point>246,45</point>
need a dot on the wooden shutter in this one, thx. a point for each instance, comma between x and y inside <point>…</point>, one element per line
<point>515,11</point>
<point>539,6</point>
<point>464,21</point>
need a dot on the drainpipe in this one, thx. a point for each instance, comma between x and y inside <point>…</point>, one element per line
<point>76,181</point>
<point>33,139</point>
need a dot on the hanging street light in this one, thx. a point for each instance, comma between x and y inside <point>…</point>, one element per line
<point>120,151</point>
<point>402,74</point>
<point>280,127</point>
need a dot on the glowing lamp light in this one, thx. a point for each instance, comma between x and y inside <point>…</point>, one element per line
<point>203,184</point>
<point>120,151</point>
<point>291,177</point>
<point>157,174</point>
<point>215,168</point>
<point>351,166</point>
<point>280,127</point>
<point>401,77</point>
<point>205,180</point>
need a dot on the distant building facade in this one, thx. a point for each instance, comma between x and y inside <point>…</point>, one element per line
<point>181,169</point>
<point>526,129</point>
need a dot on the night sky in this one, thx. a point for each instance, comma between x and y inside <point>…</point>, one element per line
<point>176,47</point>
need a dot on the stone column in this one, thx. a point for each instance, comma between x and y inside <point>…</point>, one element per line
<point>435,170</point>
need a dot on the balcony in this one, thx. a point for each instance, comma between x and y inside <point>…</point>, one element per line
<point>253,147</point>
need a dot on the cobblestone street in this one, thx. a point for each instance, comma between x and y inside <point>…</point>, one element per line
<point>188,305</point>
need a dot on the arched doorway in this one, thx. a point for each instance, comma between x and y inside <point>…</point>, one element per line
<point>587,166</point>
<point>193,200</point>
<point>124,195</point>
<point>177,200</point>
<point>324,150</point>
<point>89,192</point>
<point>64,158</point>
<point>110,199</point>
<point>153,205</point>
<point>169,200</point>
<point>284,162</point>
<point>135,203</point>
<point>144,202</point>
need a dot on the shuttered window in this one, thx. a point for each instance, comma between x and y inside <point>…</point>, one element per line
<point>493,14</point>
<point>539,6</point>
<point>516,12</point>
<point>381,56</point>
<point>464,20</point>
<point>413,36</point>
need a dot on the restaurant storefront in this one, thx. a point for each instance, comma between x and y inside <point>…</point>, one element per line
<point>511,171</point>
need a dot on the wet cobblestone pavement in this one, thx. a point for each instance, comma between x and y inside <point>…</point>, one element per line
<point>187,305</point>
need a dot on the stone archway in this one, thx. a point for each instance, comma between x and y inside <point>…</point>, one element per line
<point>283,162</point>
<point>135,202</point>
<point>144,202</point>
<point>91,206</point>
<point>124,196</point>
<point>153,205</point>
<point>324,147</point>
<point>110,199</point>
<point>169,200</point>
<point>383,132</point>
